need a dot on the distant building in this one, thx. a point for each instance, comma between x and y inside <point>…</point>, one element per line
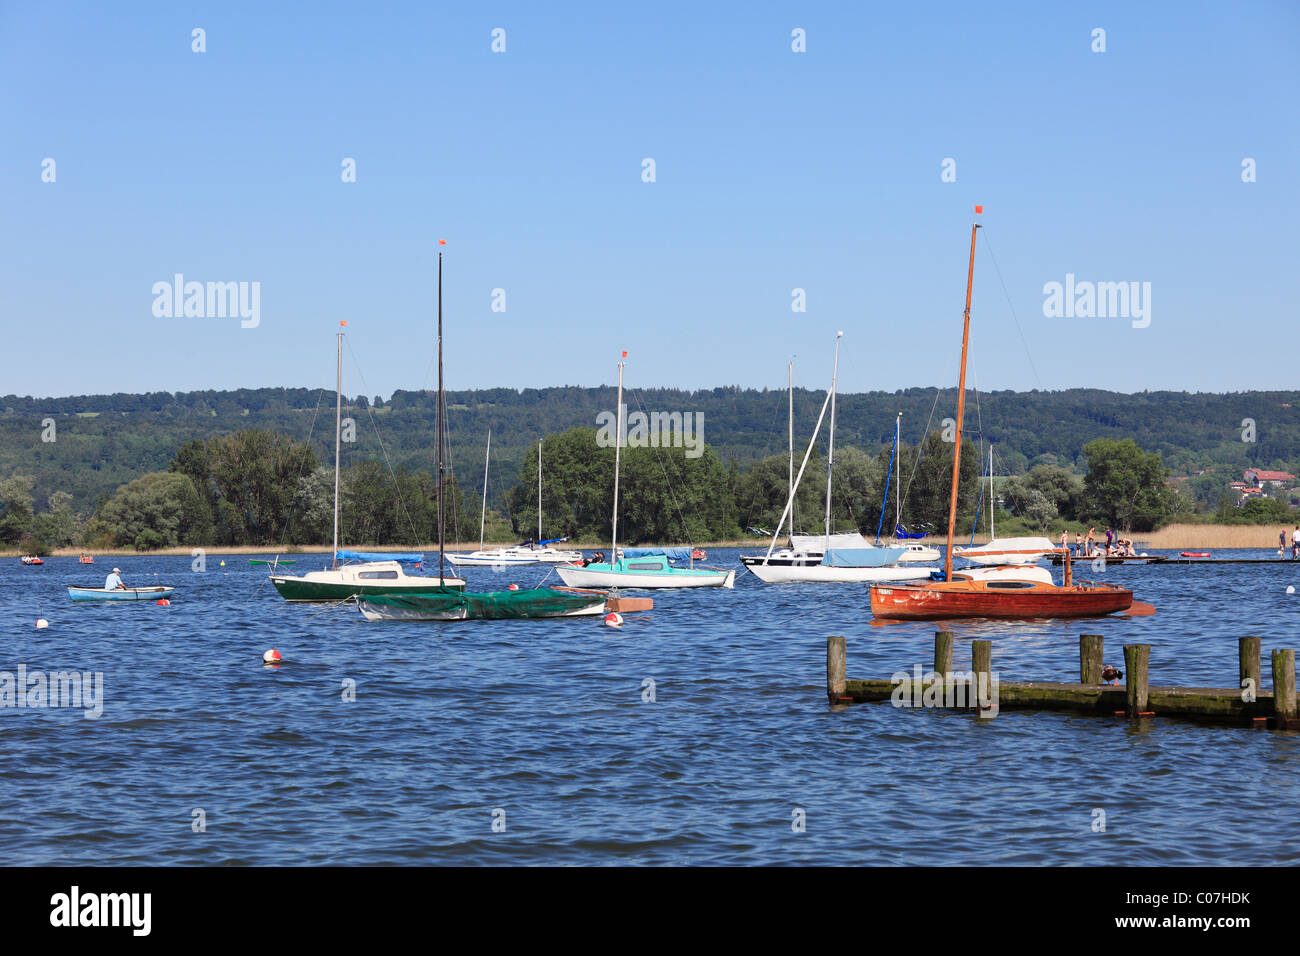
<point>1258,477</point>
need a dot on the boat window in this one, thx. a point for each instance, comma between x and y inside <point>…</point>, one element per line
<point>645,566</point>
<point>377,574</point>
<point>1011,584</point>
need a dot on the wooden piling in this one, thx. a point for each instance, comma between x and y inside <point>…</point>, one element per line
<point>943,652</point>
<point>1091,658</point>
<point>1137,657</point>
<point>1284,689</point>
<point>836,667</point>
<point>1248,663</point>
<point>981,655</point>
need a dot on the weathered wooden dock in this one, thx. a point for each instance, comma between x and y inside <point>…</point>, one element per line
<point>1058,560</point>
<point>1170,559</point>
<point>981,691</point>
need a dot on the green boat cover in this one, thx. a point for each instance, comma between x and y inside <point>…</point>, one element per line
<point>490,605</point>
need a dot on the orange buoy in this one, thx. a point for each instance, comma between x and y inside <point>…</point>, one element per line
<point>614,619</point>
<point>163,602</point>
<point>513,587</point>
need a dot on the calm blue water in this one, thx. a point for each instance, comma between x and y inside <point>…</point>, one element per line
<point>545,721</point>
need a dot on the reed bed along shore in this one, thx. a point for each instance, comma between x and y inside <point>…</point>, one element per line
<point>1174,537</point>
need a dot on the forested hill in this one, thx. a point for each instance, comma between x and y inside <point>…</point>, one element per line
<point>103,441</point>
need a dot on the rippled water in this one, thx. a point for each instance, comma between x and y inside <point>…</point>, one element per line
<point>545,721</point>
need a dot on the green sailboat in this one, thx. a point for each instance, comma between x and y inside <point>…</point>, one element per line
<point>456,604</point>
<point>354,573</point>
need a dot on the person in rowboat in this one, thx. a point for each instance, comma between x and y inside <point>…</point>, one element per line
<point>114,581</point>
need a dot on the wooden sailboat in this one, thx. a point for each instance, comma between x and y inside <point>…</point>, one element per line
<point>992,592</point>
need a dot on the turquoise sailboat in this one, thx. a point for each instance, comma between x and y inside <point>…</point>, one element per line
<point>645,568</point>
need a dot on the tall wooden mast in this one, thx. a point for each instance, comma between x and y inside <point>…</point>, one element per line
<point>961,407</point>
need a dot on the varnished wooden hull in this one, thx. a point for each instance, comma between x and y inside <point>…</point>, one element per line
<point>998,600</point>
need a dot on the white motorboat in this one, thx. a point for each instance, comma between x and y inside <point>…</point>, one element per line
<point>917,553</point>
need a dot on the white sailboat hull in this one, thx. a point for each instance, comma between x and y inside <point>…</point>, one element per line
<point>576,576</point>
<point>788,573</point>
<point>1007,551</point>
<point>489,559</point>
<point>501,557</point>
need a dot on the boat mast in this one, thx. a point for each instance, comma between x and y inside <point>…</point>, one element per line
<point>539,492</point>
<point>791,484</point>
<point>898,477</point>
<point>441,525</point>
<point>618,444</point>
<point>992,501</point>
<point>961,406</point>
<point>482,515</point>
<point>830,453</point>
<point>338,434</point>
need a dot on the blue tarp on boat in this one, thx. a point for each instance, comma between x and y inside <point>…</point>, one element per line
<point>673,554</point>
<point>379,556</point>
<point>861,557</point>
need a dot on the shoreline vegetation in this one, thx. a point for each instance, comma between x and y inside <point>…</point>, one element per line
<point>1170,537</point>
<point>260,489</point>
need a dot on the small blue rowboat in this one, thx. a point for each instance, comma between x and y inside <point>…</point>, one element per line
<point>119,594</point>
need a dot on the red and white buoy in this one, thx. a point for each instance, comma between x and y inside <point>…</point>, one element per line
<point>614,619</point>
<point>513,587</point>
<point>41,623</point>
<point>272,656</point>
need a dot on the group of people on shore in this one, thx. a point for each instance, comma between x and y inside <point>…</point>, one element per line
<point>1295,544</point>
<point>1090,546</point>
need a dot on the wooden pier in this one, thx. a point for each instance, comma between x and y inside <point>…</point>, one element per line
<point>977,691</point>
<point>1170,559</point>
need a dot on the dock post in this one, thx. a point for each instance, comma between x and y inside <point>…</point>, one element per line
<point>943,652</point>
<point>1091,658</point>
<point>1137,657</point>
<point>1284,688</point>
<point>836,668</point>
<point>981,655</point>
<point>1248,664</point>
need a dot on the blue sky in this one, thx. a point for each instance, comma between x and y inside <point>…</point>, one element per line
<point>775,170</point>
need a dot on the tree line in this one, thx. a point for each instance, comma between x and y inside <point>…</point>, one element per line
<point>105,441</point>
<point>263,488</point>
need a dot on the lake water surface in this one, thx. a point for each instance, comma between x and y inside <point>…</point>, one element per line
<point>544,722</point>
